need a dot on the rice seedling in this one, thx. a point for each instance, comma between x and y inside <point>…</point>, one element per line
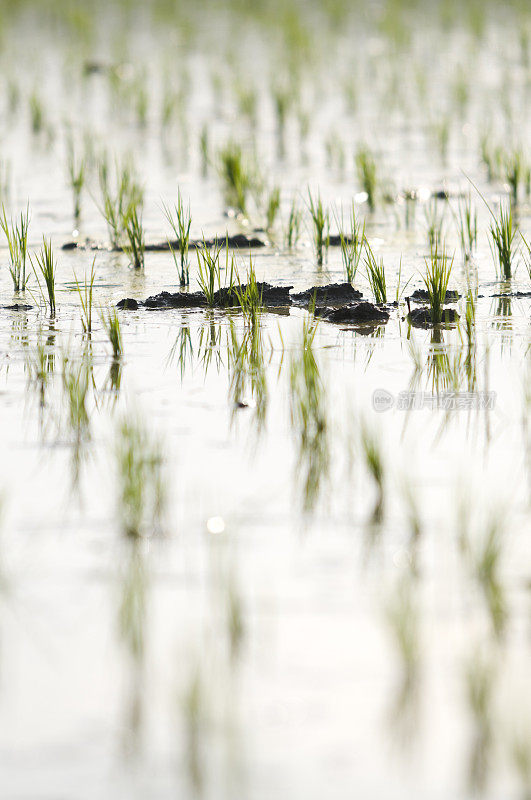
<point>36,113</point>
<point>180,221</point>
<point>41,366</point>
<point>16,233</point>
<point>502,235</point>
<point>182,349</point>
<point>282,99</point>
<point>434,221</point>
<point>321,225</point>
<point>480,684</point>
<point>514,167</point>
<point>250,298</point>
<point>247,97</point>
<point>367,174</point>
<point>85,293</point>
<point>374,462</point>
<point>404,623</point>
<point>309,417</point>
<point>352,245</point>
<point>141,483</point>
<point>116,205</point>
<point>76,175</point>
<point>272,208</point>
<point>236,175</point>
<point>132,614</point>
<point>467,225</point>
<point>375,275</point>
<point>45,266</point>
<point>76,383</point>
<point>294,224</point>
<point>520,752</point>
<point>135,248</point>
<point>441,132</point>
<point>436,279</point>
<point>204,149</point>
<point>209,277</point>
<point>247,364</point>
<point>527,254</point>
<point>111,324</point>
<point>487,570</point>
<point>492,157</point>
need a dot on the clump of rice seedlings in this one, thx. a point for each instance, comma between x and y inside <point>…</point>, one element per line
<point>111,323</point>
<point>272,208</point>
<point>85,296</point>
<point>16,234</point>
<point>375,275</point>
<point>117,204</point>
<point>76,175</point>
<point>236,176</point>
<point>352,245</point>
<point>436,279</point>
<point>502,235</point>
<point>294,224</point>
<point>36,113</point>
<point>374,462</point>
<point>44,266</point>
<point>467,224</point>
<point>180,221</point>
<point>321,225</point>
<point>434,221</point>
<point>141,485</point>
<point>309,417</point>
<point>367,174</point>
<point>136,246</point>
<point>209,277</point>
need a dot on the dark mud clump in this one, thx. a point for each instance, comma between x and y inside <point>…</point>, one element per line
<point>238,241</point>
<point>334,294</point>
<point>271,296</point>
<point>356,314</point>
<point>512,294</point>
<point>422,318</point>
<point>176,300</point>
<point>128,303</point>
<point>422,296</point>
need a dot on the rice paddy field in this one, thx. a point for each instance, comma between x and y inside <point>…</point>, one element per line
<point>265,394</point>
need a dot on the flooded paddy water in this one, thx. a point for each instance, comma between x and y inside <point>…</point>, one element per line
<point>265,545</point>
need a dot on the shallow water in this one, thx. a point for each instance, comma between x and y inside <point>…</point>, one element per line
<point>261,640</point>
